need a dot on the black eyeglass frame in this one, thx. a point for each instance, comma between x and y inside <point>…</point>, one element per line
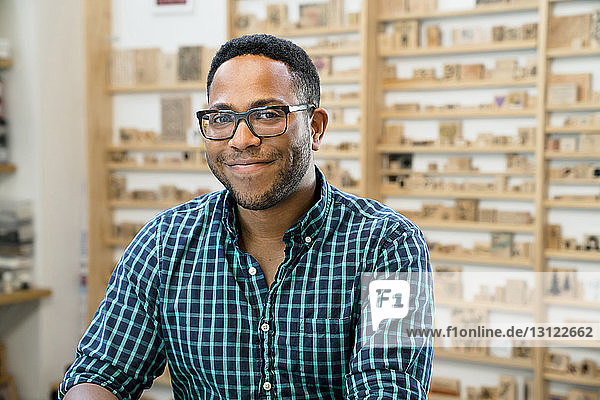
<point>287,109</point>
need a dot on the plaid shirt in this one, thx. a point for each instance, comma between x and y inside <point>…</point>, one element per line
<point>184,292</point>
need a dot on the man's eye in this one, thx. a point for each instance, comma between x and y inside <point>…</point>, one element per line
<point>268,114</point>
<point>222,119</point>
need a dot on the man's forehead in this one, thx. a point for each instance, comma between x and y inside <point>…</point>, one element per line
<point>249,78</point>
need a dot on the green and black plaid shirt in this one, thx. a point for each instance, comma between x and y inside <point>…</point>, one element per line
<point>184,292</point>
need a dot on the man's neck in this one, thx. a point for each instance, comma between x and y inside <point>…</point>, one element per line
<point>269,225</point>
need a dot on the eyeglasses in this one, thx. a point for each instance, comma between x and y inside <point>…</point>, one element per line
<point>263,122</point>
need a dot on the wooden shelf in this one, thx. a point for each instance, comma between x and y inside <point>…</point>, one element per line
<point>339,155</point>
<point>573,255</point>
<point>339,79</point>
<point>350,103</point>
<point>475,48</point>
<point>178,87</point>
<point>580,155</point>
<point>561,53</point>
<point>572,129</point>
<point>158,167</point>
<point>574,107</point>
<point>7,168</point>
<point>572,303</point>
<point>577,380</point>
<point>389,148</point>
<point>138,204</point>
<point>458,195</point>
<point>391,171</point>
<point>22,296</point>
<point>484,260</point>
<point>117,242</point>
<point>481,10</point>
<point>343,127</point>
<point>474,226</point>
<point>319,31</point>
<point>515,308</point>
<point>339,51</point>
<point>591,205</point>
<point>574,181</point>
<point>483,359</point>
<point>456,114</point>
<point>447,85</point>
<point>5,64</point>
<point>155,147</point>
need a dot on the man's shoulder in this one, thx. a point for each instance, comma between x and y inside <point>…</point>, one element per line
<point>362,211</point>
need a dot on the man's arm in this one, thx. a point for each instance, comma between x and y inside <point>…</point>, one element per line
<point>88,391</point>
<point>387,364</point>
<point>122,351</point>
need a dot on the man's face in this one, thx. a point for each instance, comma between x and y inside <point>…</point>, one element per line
<point>258,172</point>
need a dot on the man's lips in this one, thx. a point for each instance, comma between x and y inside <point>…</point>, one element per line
<point>244,166</point>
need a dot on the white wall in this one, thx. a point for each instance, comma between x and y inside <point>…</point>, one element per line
<point>45,106</point>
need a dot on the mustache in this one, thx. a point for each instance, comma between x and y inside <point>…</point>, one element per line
<point>233,157</point>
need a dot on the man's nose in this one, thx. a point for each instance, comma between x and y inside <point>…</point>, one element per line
<point>243,137</point>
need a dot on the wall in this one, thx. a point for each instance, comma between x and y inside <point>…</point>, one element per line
<point>46,110</point>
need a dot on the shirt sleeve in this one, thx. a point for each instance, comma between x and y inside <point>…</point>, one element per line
<point>388,364</point>
<point>122,350</point>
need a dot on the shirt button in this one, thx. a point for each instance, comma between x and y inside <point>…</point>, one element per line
<point>252,271</point>
<point>308,239</point>
<point>267,385</point>
<point>264,328</point>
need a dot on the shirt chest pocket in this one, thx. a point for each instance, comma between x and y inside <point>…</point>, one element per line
<point>320,350</point>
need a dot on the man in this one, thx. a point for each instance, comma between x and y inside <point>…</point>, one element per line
<point>254,291</point>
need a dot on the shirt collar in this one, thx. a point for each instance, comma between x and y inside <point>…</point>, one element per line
<point>307,226</point>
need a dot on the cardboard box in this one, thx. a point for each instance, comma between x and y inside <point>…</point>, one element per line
<point>189,67</point>
<point>122,68</point>
<point>472,72</point>
<point>564,31</point>
<point>277,16</point>
<point>146,66</point>
<point>313,15</point>
<point>466,209</point>
<point>501,244</point>
<point>175,118</point>
<point>167,68</point>
<point>449,132</point>
<point>434,36</point>
<point>582,81</point>
<point>406,34</point>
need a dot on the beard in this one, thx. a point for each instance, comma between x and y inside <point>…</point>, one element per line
<point>286,181</point>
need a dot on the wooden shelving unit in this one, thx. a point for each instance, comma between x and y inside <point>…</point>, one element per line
<point>474,226</point>
<point>441,85</point>
<point>477,11</point>
<point>458,114</point>
<point>180,87</point>
<point>523,364</point>
<point>451,150</point>
<point>7,168</point>
<point>22,296</point>
<point>5,64</point>
<point>482,48</point>
<point>513,308</point>
<point>319,31</point>
<point>482,260</point>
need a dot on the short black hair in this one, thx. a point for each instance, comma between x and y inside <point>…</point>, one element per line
<point>305,78</point>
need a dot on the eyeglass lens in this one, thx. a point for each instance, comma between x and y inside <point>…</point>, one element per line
<point>269,122</point>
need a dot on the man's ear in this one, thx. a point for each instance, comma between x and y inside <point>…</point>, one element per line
<point>318,125</point>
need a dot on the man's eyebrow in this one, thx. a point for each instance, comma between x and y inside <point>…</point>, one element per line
<point>254,104</point>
